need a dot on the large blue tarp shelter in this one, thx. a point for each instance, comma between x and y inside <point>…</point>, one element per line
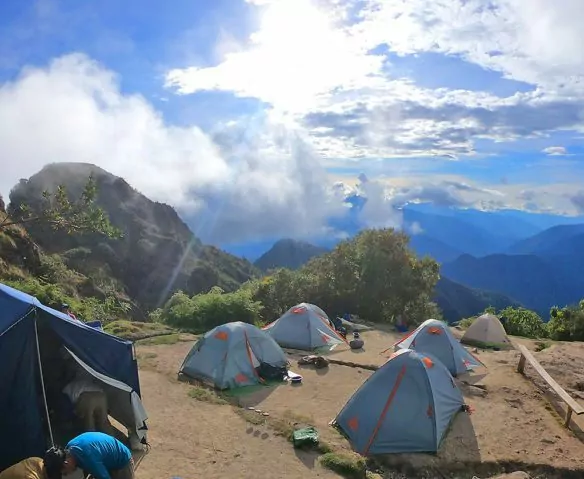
<point>33,338</point>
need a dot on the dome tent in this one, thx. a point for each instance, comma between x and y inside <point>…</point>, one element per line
<point>486,329</point>
<point>406,406</point>
<point>228,356</point>
<point>434,337</point>
<point>304,326</point>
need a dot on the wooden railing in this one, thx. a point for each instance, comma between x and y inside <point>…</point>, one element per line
<point>573,406</point>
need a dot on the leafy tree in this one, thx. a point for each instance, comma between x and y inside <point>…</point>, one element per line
<point>202,312</point>
<point>374,275</point>
<point>57,210</point>
<point>523,322</point>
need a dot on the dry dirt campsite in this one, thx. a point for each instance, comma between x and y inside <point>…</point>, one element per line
<point>514,425</point>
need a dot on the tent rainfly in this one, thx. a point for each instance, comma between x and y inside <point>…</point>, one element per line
<point>405,406</point>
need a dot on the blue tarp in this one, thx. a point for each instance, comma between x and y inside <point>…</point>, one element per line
<point>23,432</point>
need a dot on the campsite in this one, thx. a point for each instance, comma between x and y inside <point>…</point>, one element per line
<point>419,404</point>
<point>512,425</point>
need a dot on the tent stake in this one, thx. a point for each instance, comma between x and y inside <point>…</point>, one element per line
<point>36,334</point>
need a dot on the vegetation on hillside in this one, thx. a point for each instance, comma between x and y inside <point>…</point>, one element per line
<point>374,275</point>
<point>24,266</point>
<point>157,253</point>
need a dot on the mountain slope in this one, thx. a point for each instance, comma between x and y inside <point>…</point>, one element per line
<point>536,282</point>
<point>158,254</point>
<point>456,233</point>
<point>547,241</point>
<point>288,253</point>
<point>457,301</point>
<point>425,245</point>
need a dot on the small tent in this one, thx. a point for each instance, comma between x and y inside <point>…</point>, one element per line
<point>39,346</point>
<point>304,326</point>
<point>434,337</point>
<point>228,356</point>
<point>486,329</point>
<point>406,406</point>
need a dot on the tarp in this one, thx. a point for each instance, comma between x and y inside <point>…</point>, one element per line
<point>228,355</point>
<point>405,406</point>
<point>434,337</point>
<point>304,326</point>
<point>23,425</point>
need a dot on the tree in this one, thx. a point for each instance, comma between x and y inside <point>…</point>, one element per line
<point>374,275</point>
<point>79,216</point>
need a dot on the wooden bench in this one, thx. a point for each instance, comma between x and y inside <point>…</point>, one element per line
<point>573,406</point>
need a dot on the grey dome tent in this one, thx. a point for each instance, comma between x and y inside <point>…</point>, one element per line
<point>304,326</point>
<point>434,337</point>
<point>228,356</point>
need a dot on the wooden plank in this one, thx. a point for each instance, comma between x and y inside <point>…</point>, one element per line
<point>573,406</point>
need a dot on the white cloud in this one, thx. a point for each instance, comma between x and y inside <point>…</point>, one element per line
<point>259,179</point>
<point>295,56</point>
<point>555,151</point>
<point>315,61</point>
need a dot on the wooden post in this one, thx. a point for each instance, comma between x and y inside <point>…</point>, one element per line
<point>568,417</point>
<point>521,365</point>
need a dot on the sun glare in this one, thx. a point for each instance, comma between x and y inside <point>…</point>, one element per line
<point>298,54</point>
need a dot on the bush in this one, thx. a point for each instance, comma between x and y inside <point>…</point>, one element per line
<point>203,312</point>
<point>567,324</point>
<point>86,309</point>
<point>523,322</point>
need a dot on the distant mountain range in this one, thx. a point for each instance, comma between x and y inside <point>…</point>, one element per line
<point>288,253</point>
<point>531,259</point>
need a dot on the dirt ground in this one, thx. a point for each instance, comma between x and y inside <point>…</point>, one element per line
<point>512,422</point>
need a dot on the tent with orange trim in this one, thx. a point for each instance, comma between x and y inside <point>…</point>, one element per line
<point>434,337</point>
<point>406,406</point>
<point>304,326</point>
<point>229,356</point>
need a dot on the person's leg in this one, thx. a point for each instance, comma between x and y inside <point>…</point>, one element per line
<point>84,411</point>
<point>100,415</point>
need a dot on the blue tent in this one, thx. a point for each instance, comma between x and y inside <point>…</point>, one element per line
<point>228,356</point>
<point>35,344</point>
<point>405,406</point>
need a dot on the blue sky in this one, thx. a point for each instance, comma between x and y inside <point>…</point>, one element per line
<point>244,114</point>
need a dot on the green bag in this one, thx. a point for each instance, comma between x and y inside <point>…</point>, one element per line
<point>305,437</point>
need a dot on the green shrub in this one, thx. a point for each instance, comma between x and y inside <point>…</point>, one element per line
<point>567,324</point>
<point>523,322</point>
<point>202,312</point>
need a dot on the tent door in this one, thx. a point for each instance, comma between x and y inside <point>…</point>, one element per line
<point>125,406</point>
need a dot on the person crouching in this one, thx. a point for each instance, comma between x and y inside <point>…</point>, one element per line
<point>100,455</point>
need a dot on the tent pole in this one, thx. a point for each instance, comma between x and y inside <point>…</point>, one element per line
<point>36,335</point>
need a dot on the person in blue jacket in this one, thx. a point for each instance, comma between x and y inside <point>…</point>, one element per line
<point>97,454</point>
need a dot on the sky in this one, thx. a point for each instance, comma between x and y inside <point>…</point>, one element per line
<point>255,118</point>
